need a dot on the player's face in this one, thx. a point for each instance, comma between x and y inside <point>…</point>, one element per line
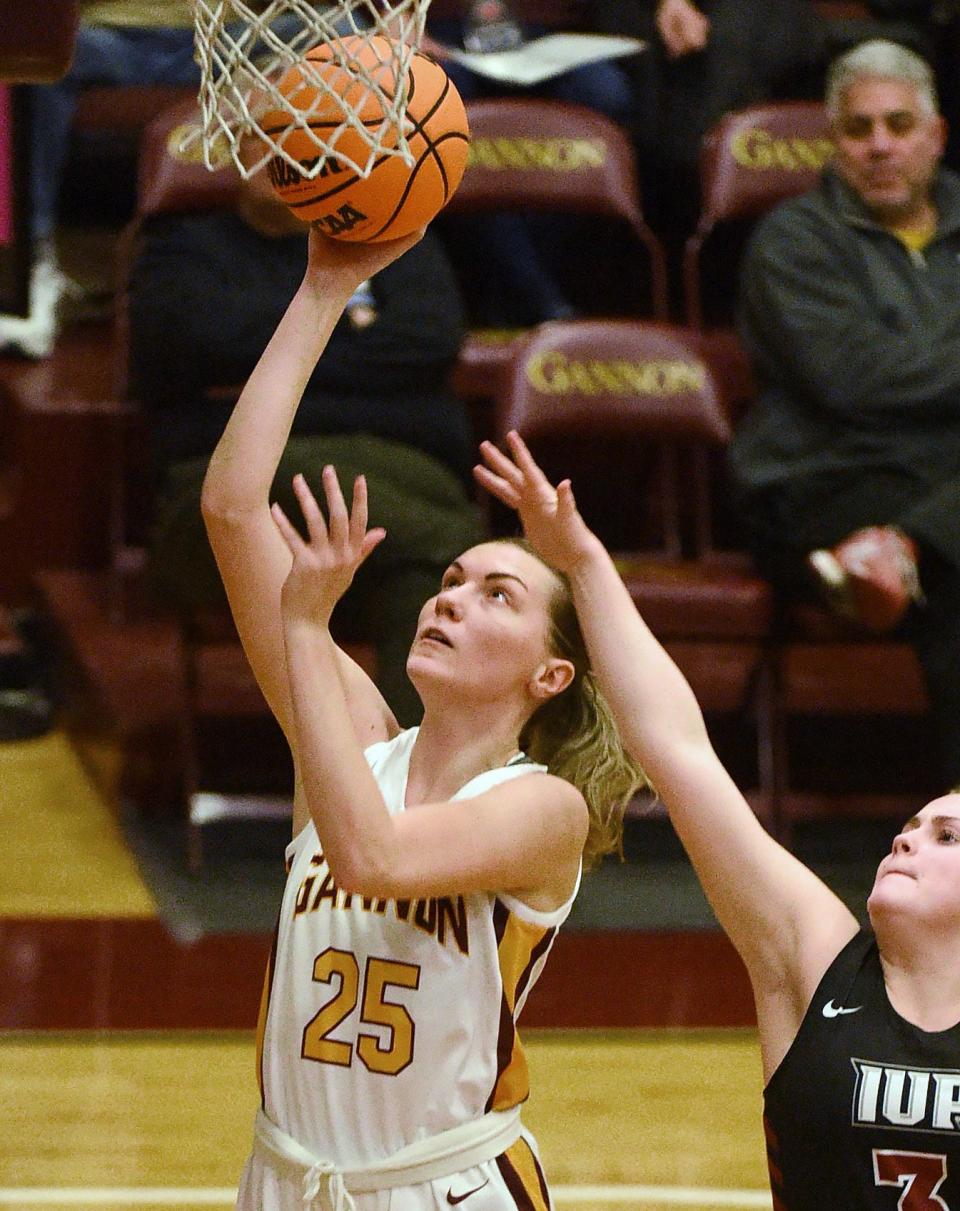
<point>486,629</point>
<point>888,147</point>
<point>921,874</point>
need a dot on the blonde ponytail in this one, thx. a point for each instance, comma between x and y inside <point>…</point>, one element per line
<point>575,736</point>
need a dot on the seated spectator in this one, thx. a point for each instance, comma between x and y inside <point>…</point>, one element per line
<point>847,468</point>
<point>703,60</point>
<point>207,290</point>
<point>118,42</point>
<point>520,255</point>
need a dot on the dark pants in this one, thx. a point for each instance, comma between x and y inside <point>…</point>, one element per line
<point>784,523</point>
<point>422,505</point>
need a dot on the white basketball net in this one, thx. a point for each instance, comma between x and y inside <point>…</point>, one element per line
<point>243,53</point>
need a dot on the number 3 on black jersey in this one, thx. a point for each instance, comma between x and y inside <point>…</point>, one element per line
<point>919,1174</point>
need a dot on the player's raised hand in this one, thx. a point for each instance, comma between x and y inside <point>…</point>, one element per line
<point>549,514</point>
<point>325,563</point>
<point>329,259</point>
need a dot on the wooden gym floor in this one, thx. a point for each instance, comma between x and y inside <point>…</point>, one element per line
<point>126,1057</point>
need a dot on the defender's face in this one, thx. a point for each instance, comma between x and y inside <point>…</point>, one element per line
<point>921,874</point>
<point>486,630</point>
<point>888,148</point>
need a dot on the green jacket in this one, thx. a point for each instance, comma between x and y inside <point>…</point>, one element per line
<point>854,339</point>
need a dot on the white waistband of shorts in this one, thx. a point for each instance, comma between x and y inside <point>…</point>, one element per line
<point>461,1147</point>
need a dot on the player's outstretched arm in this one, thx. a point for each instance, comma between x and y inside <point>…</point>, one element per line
<point>785,923</point>
<point>251,556</point>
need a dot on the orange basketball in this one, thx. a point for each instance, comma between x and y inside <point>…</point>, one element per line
<point>395,198</point>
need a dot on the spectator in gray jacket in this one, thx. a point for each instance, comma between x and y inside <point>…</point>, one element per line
<point>847,468</point>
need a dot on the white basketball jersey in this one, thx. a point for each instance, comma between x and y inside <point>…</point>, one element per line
<point>385,1022</point>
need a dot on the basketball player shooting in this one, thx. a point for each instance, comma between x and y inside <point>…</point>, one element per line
<point>430,868</point>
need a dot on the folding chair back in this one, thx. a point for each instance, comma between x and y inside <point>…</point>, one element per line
<point>752,160</point>
<point>529,155</point>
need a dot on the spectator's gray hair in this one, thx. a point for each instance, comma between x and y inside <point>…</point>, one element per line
<point>886,60</point>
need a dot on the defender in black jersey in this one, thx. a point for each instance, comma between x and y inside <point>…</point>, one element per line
<point>864,1109</point>
<point>859,1029</point>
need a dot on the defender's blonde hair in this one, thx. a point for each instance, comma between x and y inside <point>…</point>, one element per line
<point>574,734</point>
